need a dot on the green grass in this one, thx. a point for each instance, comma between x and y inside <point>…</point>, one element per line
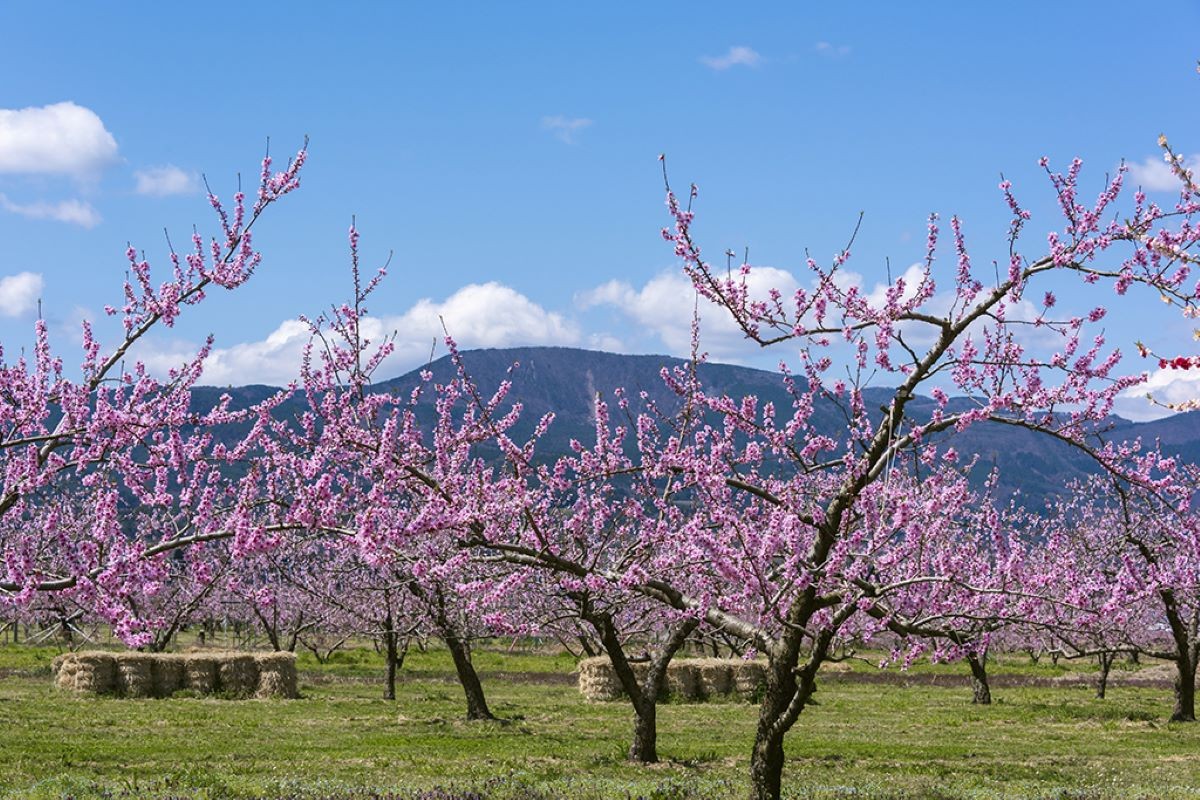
<point>864,740</point>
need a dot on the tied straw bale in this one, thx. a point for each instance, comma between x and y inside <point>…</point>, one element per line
<point>276,675</point>
<point>200,674</point>
<point>90,673</point>
<point>237,675</point>
<point>135,675</point>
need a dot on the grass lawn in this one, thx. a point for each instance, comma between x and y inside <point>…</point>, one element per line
<point>904,736</point>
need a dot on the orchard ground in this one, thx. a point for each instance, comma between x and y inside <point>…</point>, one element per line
<point>873,735</point>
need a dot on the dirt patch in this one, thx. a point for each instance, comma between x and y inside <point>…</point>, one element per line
<point>1152,677</point>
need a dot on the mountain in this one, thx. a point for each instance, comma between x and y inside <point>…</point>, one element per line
<point>567,381</point>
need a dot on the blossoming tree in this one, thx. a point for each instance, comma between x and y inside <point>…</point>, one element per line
<point>119,441</point>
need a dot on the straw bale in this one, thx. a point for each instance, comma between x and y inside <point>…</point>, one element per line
<point>598,680</point>
<point>715,675</point>
<point>276,675</point>
<point>200,673</point>
<point>135,674</point>
<point>237,675</point>
<point>683,680</point>
<point>749,677</point>
<point>66,672</point>
<point>94,673</point>
<point>166,674</point>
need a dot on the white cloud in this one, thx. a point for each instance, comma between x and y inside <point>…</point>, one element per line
<point>830,50</point>
<point>477,315</point>
<point>664,305</point>
<point>606,342</point>
<point>19,293</point>
<point>663,308</point>
<point>485,315</point>
<point>165,180</point>
<point>565,128</point>
<point>1166,386</point>
<point>59,139</point>
<point>912,276</point>
<point>76,212</point>
<point>1154,175</point>
<point>739,55</point>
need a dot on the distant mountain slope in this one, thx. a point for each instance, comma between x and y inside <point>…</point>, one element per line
<point>566,381</point>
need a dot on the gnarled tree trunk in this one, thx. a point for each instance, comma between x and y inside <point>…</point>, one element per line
<point>643,695</point>
<point>460,651</point>
<point>980,690</point>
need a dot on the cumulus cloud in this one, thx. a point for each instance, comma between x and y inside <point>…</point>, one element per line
<point>76,212</point>
<point>565,128</point>
<point>165,180</point>
<point>1165,386</point>
<point>486,315</point>
<point>58,139</point>
<point>830,50</point>
<point>738,56</point>
<point>664,305</point>
<point>1154,174</point>
<point>663,308</point>
<point>19,293</point>
<point>477,315</point>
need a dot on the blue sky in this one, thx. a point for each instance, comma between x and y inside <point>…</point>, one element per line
<point>506,153</point>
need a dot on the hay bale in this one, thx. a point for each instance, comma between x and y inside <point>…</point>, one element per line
<point>598,680</point>
<point>200,674</point>
<point>276,675</point>
<point>237,675</point>
<point>749,677</point>
<point>715,675</point>
<point>166,674</point>
<point>87,672</point>
<point>683,680</point>
<point>135,674</point>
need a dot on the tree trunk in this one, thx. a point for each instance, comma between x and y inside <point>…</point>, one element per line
<point>394,654</point>
<point>644,694</point>
<point>981,691</point>
<point>461,653</point>
<point>780,706</point>
<point>1106,662</point>
<point>1185,690</point>
<point>645,733</point>
<point>766,764</point>
<point>391,654</point>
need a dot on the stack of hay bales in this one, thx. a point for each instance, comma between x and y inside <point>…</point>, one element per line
<point>688,679</point>
<point>134,675</point>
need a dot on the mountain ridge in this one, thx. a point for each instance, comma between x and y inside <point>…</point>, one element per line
<point>566,380</point>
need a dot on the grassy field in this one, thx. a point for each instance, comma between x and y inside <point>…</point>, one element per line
<point>872,736</point>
